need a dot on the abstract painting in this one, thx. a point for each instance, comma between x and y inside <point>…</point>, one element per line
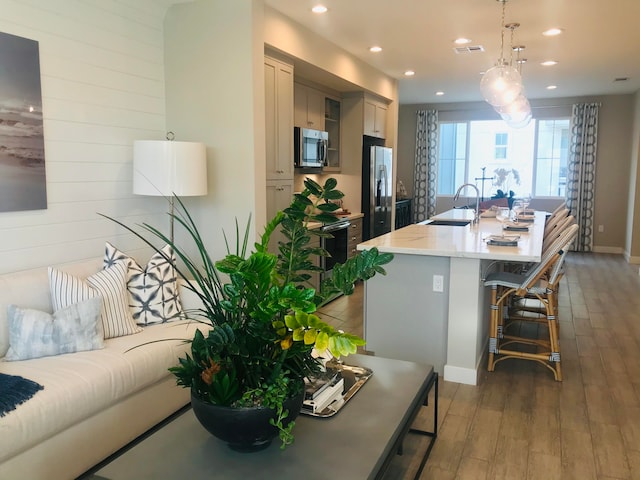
<point>23,183</point>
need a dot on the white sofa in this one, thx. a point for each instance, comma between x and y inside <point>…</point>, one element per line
<point>93,402</point>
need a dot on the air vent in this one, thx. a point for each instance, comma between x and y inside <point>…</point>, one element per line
<point>469,49</point>
<point>621,79</point>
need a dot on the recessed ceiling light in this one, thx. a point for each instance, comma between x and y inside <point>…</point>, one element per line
<point>319,9</point>
<point>552,32</point>
<point>461,41</point>
<point>409,73</point>
<point>375,49</point>
<point>549,63</point>
<point>439,94</point>
<point>552,87</point>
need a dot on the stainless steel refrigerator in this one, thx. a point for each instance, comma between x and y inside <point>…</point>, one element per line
<point>377,188</point>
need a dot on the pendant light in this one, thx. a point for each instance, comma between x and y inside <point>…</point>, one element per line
<point>501,86</point>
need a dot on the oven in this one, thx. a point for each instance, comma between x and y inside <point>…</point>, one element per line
<point>336,245</point>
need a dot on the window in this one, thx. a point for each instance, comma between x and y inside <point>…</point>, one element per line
<point>528,161</point>
<point>501,146</point>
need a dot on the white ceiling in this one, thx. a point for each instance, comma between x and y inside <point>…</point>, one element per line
<point>601,42</point>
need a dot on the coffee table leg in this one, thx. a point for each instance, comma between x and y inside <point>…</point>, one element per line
<point>433,434</point>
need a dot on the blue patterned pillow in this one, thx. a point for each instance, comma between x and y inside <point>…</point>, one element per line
<point>35,334</point>
<point>153,289</point>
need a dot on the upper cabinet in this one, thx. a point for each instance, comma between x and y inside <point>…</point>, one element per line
<point>375,118</point>
<point>308,107</point>
<point>279,119</point>
<point>332,126</point>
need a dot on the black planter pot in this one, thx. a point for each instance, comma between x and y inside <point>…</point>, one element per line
<point>245,429</point>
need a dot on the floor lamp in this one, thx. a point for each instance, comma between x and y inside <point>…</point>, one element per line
<point>168,168</point>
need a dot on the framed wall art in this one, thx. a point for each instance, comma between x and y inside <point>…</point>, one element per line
<point>23,183</point>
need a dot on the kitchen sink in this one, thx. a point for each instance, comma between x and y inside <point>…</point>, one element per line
<point>448,223</point>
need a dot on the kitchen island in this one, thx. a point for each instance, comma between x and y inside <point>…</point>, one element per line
<point>432,306</point>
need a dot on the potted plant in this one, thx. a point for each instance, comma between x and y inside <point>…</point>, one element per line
<point>262,334</point>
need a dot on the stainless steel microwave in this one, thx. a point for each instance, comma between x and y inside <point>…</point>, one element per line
<point>310,148</point>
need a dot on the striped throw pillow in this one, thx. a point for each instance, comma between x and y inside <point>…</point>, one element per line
<point>110,284</point>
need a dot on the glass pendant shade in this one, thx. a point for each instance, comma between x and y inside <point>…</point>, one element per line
<point>518,108</point>
<point>518,114</point>
<point>501,85</point>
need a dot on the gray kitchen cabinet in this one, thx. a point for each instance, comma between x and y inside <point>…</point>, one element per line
<point>375,118</point>
<point>279,196</point>
<point>355,237</point>
<point>278,119</point>
<point>309,107</point>
<point>332,124</point>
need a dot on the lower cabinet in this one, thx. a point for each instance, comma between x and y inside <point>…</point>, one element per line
<point>279,195</point>
<point>355,237</point>
<point>403,213</point>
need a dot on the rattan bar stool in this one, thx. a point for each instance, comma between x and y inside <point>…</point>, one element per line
<point>539,283</point>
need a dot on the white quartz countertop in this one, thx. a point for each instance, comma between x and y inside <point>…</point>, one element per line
<point>468,241</point>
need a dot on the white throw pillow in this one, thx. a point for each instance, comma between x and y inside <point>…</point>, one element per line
<point>35,334</point>
<point>153,289</point>
<point>110,284</point>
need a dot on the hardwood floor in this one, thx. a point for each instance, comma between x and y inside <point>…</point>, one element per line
<point>519,424</point>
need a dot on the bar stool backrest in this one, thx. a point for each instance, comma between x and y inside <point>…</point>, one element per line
<point>561,225</point>
<point>554,219</point>
<point>556,269</point>
<point>549,257</point>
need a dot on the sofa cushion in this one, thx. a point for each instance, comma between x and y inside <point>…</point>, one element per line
<point>110,284</point>
<point>34,333</point>
<point>30,289</point>
<point>153,289</point>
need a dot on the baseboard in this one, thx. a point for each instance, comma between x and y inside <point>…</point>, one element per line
<point>468,376</point>
<point>601,249</point>
<point>631,259</point>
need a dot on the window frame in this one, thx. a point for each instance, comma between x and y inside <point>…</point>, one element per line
<point>549,116</point>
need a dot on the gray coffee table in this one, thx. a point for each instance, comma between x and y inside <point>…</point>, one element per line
<point>356,443</point>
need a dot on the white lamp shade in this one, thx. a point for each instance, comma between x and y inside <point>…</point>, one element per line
<point>501,85</point>
<point>166,168</point>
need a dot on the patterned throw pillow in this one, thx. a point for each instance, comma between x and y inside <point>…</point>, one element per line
<point>35,334</point>
<point>110,284</point>
<point>153,289</point>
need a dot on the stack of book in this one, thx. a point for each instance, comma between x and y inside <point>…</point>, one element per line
<point>320,392</point>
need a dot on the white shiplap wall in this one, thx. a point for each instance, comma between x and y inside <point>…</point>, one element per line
<point>102,73</point>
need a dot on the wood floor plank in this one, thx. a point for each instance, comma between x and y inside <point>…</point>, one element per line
<point>542,466</point>
<point>609,453</point>
<point>483,435</point>
<point>511,459</point>
<point>577,456</point>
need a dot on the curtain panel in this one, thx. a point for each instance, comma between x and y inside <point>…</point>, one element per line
<point>581,176</point>
<point>426,165</point>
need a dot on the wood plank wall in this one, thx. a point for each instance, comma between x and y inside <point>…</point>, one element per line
<point>102,74</point>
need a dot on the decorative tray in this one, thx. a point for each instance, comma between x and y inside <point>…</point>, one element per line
<point>352,378</point>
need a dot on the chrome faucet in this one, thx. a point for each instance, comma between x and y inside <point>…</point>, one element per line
<point>476,217</point>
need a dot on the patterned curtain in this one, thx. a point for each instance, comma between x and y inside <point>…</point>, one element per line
<point>426,165</point>
<point>581,178</point>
